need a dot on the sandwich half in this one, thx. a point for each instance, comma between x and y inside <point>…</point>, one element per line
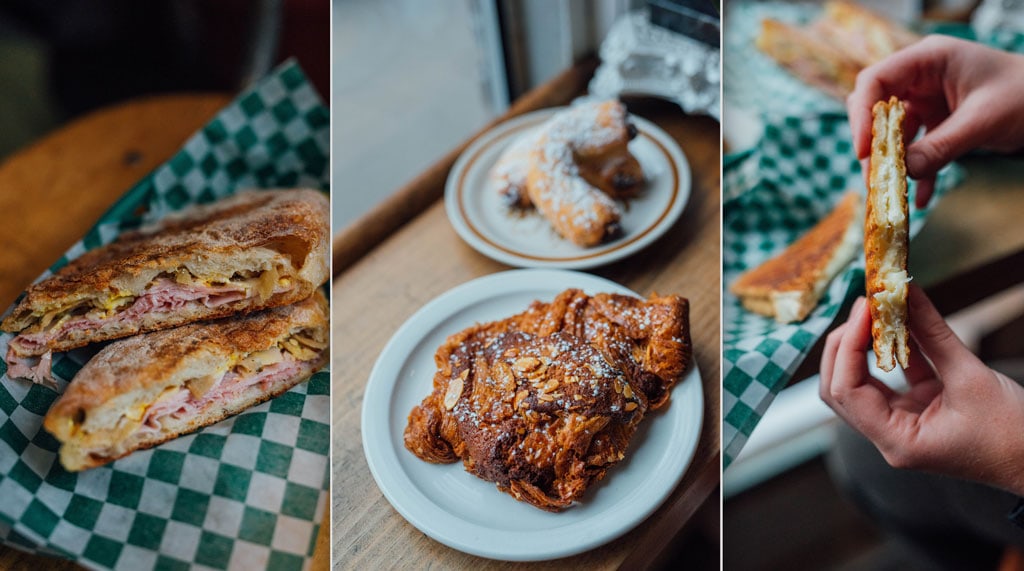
<point>788,286</point>
<point>813,59</point>
<point>862,34</point>
<point>886,236</point>
<point>829,52</point>
<point>253,250</point>
<point>150,388</point>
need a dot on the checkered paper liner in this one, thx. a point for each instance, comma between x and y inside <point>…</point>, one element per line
<point>245,493</point>
<point>780,189</point>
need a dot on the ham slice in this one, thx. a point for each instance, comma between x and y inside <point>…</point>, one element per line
<point>35,369</point>
<point>182,403</point>
<point>164,296</point>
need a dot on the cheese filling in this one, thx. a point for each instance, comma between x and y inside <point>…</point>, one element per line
<point>168,292</point>
<point>262,283</point>
<point>890,218</point>
<point>191,398</point>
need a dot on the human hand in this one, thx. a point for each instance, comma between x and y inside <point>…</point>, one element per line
<point>958,417</point>
<point>967,96</point>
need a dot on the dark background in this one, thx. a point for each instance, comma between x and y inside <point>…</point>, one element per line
<point>62,58</point>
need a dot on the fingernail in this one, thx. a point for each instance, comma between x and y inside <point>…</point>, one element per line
<point>858,306</point>
<point>917,163</point>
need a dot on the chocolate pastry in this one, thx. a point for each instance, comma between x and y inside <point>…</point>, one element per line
<point>544,402</point>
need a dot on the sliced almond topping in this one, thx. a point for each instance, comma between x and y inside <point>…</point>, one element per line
<point>617,385</point>
<point>503,376</point>
<point>451,396</point>
<point>520,397</point>
<point>538,372</point>
<point>627,391</point>
<point>630,406</point>
<point>526,364</point>
<point>638,353</point>
<point>550,385</point>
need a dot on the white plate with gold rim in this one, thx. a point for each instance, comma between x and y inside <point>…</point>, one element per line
<point>480,217</point>
<point>471,515</point>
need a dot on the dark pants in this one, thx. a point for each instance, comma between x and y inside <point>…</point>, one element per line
<point>939,522</point>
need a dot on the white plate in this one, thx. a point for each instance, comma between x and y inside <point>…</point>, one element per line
<point>485,223</point>
<point>471,515</point>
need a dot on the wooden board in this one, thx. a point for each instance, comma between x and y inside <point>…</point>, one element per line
<point>393,261</point>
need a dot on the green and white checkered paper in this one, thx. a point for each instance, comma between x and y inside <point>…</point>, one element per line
<point>246,493</point>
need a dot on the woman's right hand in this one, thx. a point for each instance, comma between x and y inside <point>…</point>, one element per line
<point>966,95</point>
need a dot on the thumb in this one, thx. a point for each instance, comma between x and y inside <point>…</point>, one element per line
<point>936,340</point>
<point>959,133</point>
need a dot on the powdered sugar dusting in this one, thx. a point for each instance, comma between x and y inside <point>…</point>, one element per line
<point>556,188</point>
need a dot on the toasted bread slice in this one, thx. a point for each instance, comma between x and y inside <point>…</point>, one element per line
<point>808,56</point>
<point>788,286</point>
<point>886,236</point>
<point>147,389</point>
<point>254,250</point>
<point>829,52</point>
<point>862,34</point>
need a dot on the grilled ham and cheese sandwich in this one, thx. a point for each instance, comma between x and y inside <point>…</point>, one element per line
<point>788,286</point>
<point>829,52</point>
<point>810,57</point>
<point>886,236</point>
<point>863,35</point>
<point>147,389</point>
<point>253,250</point>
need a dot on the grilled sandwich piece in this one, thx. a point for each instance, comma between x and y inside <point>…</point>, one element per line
<point>147,389</point>
<point>788,286</point>
<point>829,52</point>
<point>862,34</point>
<point>254,250</point>
<point>813,59</point>
<point>886,236</point>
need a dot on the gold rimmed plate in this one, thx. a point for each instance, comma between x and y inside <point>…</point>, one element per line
<point>480,217</point>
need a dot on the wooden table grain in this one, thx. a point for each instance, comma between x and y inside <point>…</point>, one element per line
<point>413,256</point>
<point>52,191</point>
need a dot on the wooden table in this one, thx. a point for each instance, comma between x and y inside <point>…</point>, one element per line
<point>54,190</point>
<point>398,257</point>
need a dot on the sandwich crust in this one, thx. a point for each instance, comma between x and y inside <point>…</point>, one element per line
<point>283,231</point>
<point>886,236</point>
<point>98,417</point>
<point>829,52</point>
<point>863,34</point>
<point>809,57</point>
<point>789,285</point>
